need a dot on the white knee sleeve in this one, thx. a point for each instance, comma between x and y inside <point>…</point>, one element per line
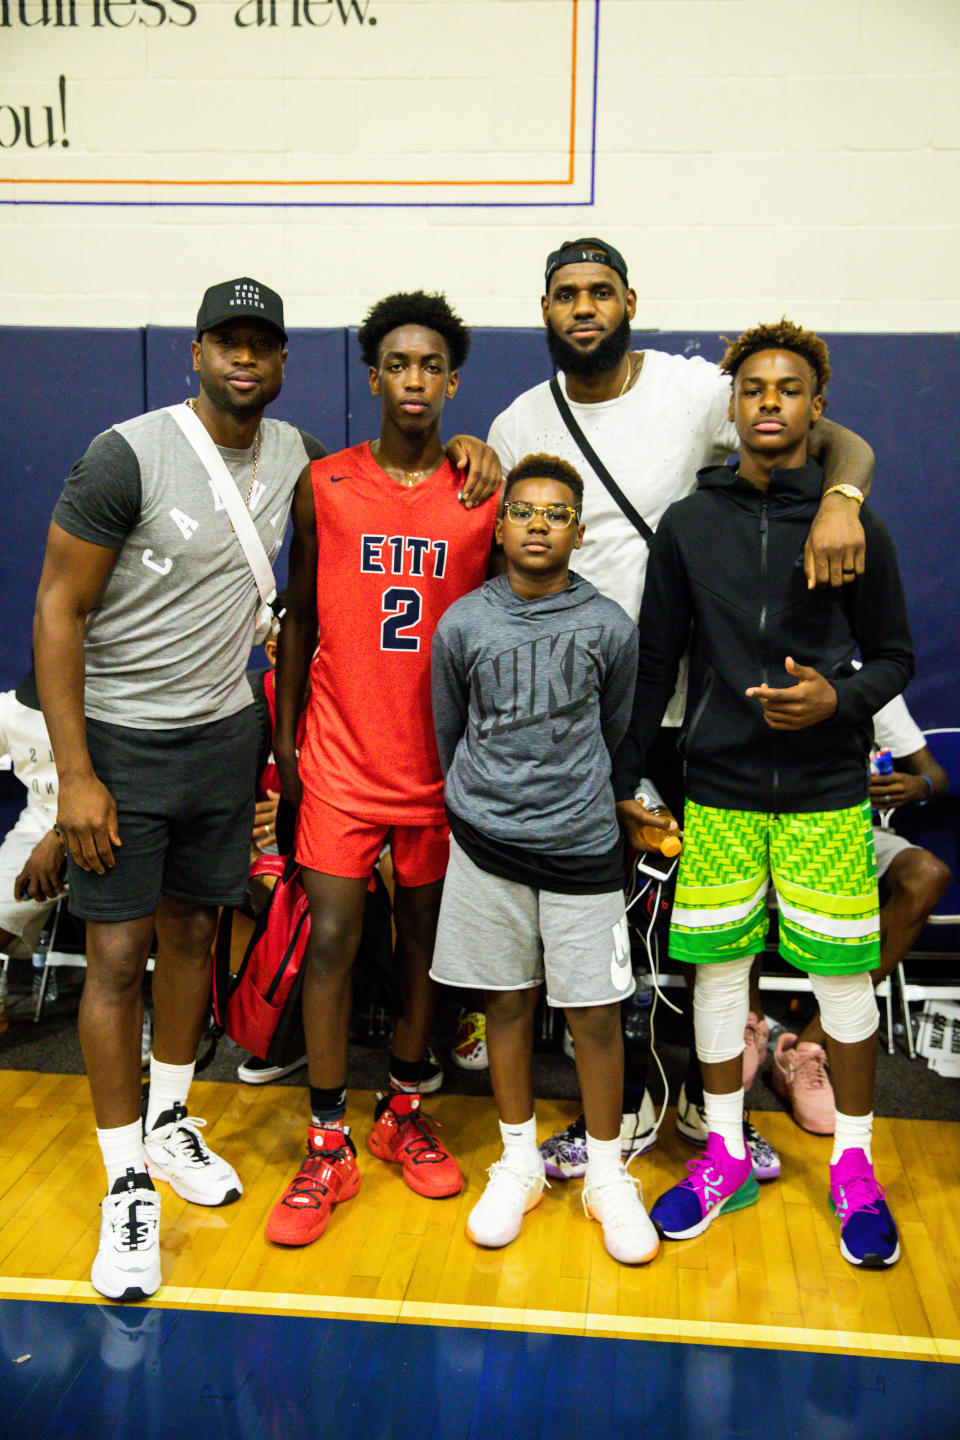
<point>848,1006</point>
<point>721,1002</point>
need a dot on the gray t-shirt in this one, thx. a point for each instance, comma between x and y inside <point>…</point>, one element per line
<point>169,641</point>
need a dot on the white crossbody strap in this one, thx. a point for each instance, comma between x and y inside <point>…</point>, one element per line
<point>224,485</point>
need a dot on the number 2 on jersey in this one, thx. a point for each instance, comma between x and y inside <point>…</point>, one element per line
<point>401,608</point>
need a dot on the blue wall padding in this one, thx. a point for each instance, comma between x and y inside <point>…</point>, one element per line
<point>901,393</point>
<point>58,388</point>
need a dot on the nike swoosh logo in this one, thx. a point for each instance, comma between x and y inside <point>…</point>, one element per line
<point>335,479</point>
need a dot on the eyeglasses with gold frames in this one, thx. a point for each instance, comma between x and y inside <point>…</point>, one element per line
<point>558,517</point>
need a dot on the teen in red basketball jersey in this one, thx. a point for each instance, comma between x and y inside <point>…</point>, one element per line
<point>382,546</point>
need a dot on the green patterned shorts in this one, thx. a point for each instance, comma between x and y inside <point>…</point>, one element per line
<point>824,871</point>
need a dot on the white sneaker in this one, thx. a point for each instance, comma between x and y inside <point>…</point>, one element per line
<point>617,1203</point>
<point>177,1153</point>
<point>496,1218</point>
<point>638,1129</point>
<point>691,1121</point>
<point>127,1266</point>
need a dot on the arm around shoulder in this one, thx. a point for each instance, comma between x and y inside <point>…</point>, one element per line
<point>846,458</point>
<point>835,548</point>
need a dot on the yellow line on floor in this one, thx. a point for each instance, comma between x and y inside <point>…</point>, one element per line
<point>171,1297</point>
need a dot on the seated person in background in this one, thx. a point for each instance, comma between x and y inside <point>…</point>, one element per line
<point>776,747</point>
<point>32,854</point>
<point>532,682</point>
<point>912,882</point>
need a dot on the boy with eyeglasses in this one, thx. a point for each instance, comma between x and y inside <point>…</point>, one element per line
<point>533,678</point>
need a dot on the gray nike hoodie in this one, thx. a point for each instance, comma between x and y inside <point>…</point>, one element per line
<point>530,700</point>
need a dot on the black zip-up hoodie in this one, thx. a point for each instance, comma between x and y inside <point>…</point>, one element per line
<point>728,561</point>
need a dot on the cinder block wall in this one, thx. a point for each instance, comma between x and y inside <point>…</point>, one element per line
<point>753,157</point>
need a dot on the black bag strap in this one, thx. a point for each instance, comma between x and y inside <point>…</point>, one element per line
<point>596,464</point>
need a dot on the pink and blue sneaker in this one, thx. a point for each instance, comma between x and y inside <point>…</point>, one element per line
<point>717,1183</point>
<point>868,1235</point>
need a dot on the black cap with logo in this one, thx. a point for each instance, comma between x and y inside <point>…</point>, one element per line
<point>242,299</point>
<point>586,251</point>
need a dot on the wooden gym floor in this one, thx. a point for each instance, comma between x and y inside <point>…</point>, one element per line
<point>485,1339</point>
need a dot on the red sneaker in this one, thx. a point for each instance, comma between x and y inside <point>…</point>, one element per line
<point>402,1135</point>
<point>328,1175</point>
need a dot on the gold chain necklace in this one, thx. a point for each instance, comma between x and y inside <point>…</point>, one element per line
<point>192,405</point>
<point>412,477</point>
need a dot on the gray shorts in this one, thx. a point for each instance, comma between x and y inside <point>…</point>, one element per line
<point>494,934</point>
<point>185,810</point>
<point>887,844</point>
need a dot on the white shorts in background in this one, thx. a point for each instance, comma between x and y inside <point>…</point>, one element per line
<point>23,918</point>
<point>495,934</point>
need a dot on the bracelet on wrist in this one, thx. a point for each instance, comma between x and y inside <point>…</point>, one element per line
<point>929,795</point>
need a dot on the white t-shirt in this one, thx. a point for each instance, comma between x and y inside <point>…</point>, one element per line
<point>653,440</point>
<point>895,729</point>
<point>23,736</point>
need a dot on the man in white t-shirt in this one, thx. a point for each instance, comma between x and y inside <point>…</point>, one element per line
<point>653,420</point>
<point>912,882</point>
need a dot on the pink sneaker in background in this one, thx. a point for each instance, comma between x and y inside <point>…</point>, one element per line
<point>755,1038</point>
<point>800,1077</point>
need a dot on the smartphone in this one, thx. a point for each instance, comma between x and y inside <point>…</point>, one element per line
<point>655,865</point>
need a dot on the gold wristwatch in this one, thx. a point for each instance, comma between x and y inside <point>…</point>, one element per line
<point>850,491</point>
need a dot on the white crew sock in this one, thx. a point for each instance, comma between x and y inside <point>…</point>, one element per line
<point>852,1132</point>
<point>724,1114</point>
<point>603,1159</point>
<point>520,1146</point>
<point>122,1149</point>
<point>169,1086</point>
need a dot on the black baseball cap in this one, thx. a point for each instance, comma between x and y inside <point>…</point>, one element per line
<point>589,251</point>
<point>242,299</point>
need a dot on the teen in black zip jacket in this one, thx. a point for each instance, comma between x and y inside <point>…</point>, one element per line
<point>777,738</point>
<point>729,560</point>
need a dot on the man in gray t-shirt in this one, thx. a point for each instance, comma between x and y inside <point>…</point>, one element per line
<point>145,617</point>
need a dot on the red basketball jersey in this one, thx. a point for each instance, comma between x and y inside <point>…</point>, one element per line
<point>390,562</point>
